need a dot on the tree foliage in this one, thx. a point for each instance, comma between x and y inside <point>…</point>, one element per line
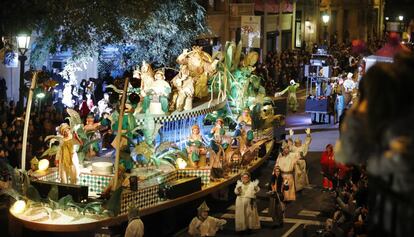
<point>155,31</point>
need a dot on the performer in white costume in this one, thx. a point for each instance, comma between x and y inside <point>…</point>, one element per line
<point>247,217</point>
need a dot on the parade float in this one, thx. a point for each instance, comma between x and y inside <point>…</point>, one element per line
<point>174,142</point>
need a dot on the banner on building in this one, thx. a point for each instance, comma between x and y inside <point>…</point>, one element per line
<point>250,31</point>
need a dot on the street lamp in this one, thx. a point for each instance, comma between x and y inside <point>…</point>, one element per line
<point>325,20</point>
<point>22,45</point>
<point>401,18</point>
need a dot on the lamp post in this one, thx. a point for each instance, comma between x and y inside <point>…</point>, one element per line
<point>22,45</point>
<point>325,20</point>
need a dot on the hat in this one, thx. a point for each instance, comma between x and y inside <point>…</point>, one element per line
<point>63,127</point>
<point>349,75</point>
<point>292,82</point>
<point>203,207</point>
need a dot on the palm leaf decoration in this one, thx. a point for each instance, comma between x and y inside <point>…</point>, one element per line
<point>63,202</point>
<point>50,151</point>
<point>12,193</point>
<point>164,146</point>
<point>33,194</point>
<point>74,118</point>
<point>88,143</point>
<point>237,56</point>
<point>53,193</point>
<point>114,203</point>
<point>145,150</point>
<point>115,89</point>
<point>95,207</point>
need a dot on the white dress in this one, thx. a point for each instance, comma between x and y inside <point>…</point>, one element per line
<point>247,216</point>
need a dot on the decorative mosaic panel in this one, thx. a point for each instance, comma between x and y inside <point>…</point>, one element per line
<point>235,169</point>
<point>170,176</point>
<point>195,112</point>
<point>143,198</point>
<point>203,173</point>
<point>96,183</point>
<point>51,175</point>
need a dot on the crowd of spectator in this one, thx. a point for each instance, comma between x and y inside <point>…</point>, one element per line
<point>11,132</point>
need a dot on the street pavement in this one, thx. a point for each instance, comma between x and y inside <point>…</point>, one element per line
<point>308,213</point>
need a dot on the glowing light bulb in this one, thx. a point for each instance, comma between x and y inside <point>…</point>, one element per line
<point>181,163</point>
<point>18,207</point>
<point>43,164</point>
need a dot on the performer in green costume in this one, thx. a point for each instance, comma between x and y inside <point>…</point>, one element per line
<point>292,100</point>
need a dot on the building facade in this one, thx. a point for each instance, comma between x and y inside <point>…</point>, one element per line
<point>300,23</point>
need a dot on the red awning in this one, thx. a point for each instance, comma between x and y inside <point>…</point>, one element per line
<point>272,6</point>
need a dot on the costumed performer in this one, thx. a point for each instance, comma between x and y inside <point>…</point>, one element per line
<point>67,157</point>
<point>135,226</point>
<point>194,145</point>
<point>286,161</point>
<point>203,224</point>
<point>247,216</point>
<point>291,99</point>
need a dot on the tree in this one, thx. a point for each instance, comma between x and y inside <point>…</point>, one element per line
<point>155,31</point>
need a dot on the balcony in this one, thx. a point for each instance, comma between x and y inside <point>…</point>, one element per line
<point>241,9</point>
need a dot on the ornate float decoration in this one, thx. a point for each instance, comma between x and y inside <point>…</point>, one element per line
<point>213,138</point>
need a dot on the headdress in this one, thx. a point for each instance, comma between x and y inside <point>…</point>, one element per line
<point>245,173</point>
<point>284,145</point>
<point>63,127</point>
<point>160,71</point>
<point>203,207</point>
